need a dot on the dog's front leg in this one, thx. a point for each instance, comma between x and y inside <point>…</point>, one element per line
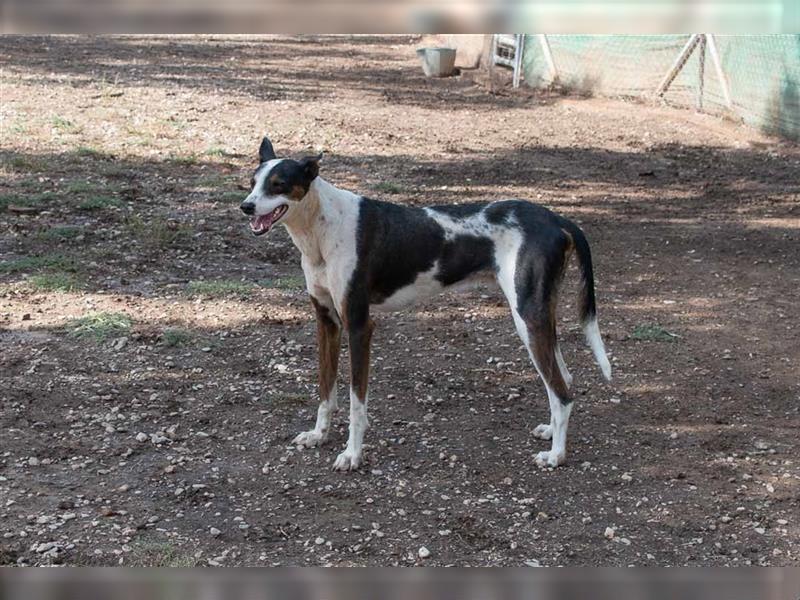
<point>329,339</point>
<point>360,328</point>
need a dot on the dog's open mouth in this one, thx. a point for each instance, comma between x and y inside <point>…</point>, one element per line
<point>261,225</point>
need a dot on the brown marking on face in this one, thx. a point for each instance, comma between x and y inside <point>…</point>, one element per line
<point>298,192</point>
<point>329,337</point>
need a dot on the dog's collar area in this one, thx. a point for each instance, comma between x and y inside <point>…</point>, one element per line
<point>263,223</point>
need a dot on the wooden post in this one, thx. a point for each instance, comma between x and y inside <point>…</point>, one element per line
<point>678,64</point>
<point>701,73</point>
<point>548,57</point>
<point>519,48</point>
<point>723,82</point>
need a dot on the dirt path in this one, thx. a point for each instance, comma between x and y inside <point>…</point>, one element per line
<point>160,436</point>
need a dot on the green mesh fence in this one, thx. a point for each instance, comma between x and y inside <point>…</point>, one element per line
<point>762,72</point>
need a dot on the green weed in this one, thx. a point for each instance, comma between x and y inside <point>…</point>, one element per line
<point>62,232</point>
<point>100,203</point>
<point>99,326</point>
<point>387,187</point>
<point>158,232</point>
<point>291,282</point>
<point>158,554</point>
<point>175,337</point>
<point>219,288</point>
<point>37,263</point>
<point>653,333</point>
<point>55,282</point>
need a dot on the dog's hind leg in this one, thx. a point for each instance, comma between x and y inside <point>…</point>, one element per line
<point>562,366</point>
<point>542,347</point>
<point>532,295</point>
<point>359,327</point>
<point>329,338</point>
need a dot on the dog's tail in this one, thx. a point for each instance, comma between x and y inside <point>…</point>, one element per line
<point>587,305</point>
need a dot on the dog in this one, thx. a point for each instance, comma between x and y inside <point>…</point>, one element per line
<point>360,255</point>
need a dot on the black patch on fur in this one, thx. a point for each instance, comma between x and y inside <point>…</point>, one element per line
<point>291,178</point>
<point>394,244</point>
<point>498,213</point>
<point>462,256</point>
<point>460,211</point>
<point>265,151</point>
<point>541,256</point>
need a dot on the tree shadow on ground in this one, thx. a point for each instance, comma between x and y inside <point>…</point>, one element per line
<point>255,68</point>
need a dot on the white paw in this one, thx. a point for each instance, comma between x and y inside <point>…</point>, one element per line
<point>543,432</point>
<point>347,461</point>
<point>549,459</point>
<point>567,379</point>
<point>309,439</point>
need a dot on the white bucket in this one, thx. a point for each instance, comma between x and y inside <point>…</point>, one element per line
<point>437,62</point>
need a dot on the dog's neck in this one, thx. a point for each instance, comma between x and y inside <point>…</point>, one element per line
<point>322,206</point>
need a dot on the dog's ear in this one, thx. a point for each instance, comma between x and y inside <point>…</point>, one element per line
<point>265,151</point>
<point>310,166</point>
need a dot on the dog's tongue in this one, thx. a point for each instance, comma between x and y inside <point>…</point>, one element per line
<point>263,222</point>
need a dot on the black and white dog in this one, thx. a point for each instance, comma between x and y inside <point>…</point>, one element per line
<point>360,254</point>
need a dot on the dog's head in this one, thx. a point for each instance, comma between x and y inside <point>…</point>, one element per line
<point>278,186</point>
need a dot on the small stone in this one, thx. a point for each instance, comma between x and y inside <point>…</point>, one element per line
<point>782,522</point>
<point>770,488</point>
<point>141,437</point>
<point>319,541</point>
<point>532,563</point>
<point>725,519</point>
<point>609,533</point>
<point>614,400</point>
<point>423,552</point>
<point>169,469</point>
<point>214,532</point>
<point>205,349</point>
<point>626,477</point>
<point>673,435</point>
<point>33,461</point>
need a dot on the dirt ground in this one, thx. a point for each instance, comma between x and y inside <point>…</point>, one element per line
<point>156,359</point>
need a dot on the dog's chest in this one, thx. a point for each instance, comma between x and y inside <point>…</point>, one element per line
<point>329,268</point>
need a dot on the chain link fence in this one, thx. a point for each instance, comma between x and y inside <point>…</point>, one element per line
<point>761,73</point>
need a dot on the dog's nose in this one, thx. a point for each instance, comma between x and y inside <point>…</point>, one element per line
<point>248,208</point>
